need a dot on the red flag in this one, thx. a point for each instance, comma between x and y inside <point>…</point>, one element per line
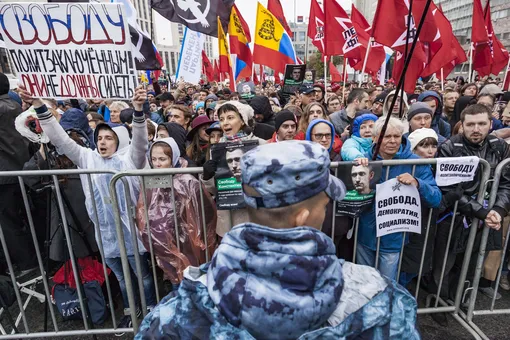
<point>216,75</point>
<point>208,68</point>
<point>335,74</point>
<point>261,73</point>
<point>255,78</point>
<point>299,61</point>
<point>391,30</point>
<point>340,35</point>
<point>491,56</point>
<point>376,55</point>
<point>277,79</point>
<point>275,7</point>
<point>478,31</point>
<point>316,26</point>
<point>443,52</point>
<point>506,85</point>
<point>460,58</point>
<point>413,71</point>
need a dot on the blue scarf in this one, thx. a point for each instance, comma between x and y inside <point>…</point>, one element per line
<point>275,283</point>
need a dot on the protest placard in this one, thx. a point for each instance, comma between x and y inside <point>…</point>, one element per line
<point>293,79</point>
<point>189,67</point>
<point>453,170</point>
<point>397,208</point>
<point>70,50</point>
<point>360,182</point>
<point>228,174</point>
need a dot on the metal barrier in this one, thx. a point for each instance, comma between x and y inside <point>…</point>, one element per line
<point>163,178</point>
<point>454,306</point>
<point>471,311</point>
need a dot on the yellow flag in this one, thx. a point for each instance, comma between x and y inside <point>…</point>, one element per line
<point>225,65</point>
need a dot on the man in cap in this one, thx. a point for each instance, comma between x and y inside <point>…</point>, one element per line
<point>278,277</point>
<point>307,95</point>
<point>378,104</point>
<point>420,116</point>
<point>285,127</point>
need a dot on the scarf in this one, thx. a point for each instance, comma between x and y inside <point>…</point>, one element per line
<point>289,280</point>
<point>236,138</point>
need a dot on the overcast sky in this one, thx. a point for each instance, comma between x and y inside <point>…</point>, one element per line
<point>248,9</point>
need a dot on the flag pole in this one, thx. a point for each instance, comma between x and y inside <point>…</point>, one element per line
<point>470,62</point>
<point>365,62</point>
<point>401,80</point>
<point>402,103</point>
<point>506,75</point>
<point>325,72</point>
<point>344,78</point>
<point>442,79</point>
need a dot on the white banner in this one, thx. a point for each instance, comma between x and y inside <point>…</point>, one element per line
<point>397,208</point>
<point>454,170</point>
<point>70,50</point>
<point>189,68</point>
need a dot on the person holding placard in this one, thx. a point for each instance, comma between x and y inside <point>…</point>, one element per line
<point>474,140</point>
<point>114,152</point>
<point>393,146</point>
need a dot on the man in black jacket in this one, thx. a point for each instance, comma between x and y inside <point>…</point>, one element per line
<point>474,141</point>
<point>263,112</point>
<point>14,152</point>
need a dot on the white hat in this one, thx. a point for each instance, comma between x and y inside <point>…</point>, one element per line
<point>417,136</point>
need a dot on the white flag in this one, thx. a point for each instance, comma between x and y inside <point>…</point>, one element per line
<point>189,68</point>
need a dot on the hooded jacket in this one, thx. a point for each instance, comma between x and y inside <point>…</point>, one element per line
<point>429,193</point>
<point>261,105</point>
<point>178,133</point>
<point>126,158</point>
<point>387,103</point>
<point>76,119</point>
<point>265,283</point>
<point>439,125</point>
<point>357,146</point>
<point>189,217</point>
<point>315,122</point>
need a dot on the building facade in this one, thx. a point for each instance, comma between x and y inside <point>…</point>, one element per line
<point>301,40</point>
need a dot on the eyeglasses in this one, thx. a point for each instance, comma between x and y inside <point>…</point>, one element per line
<point>320,136</point>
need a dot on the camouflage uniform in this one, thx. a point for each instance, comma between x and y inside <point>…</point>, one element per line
<point>266,283</point>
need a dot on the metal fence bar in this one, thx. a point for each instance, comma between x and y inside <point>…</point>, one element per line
<point>378,238</point>
<point>101,249</point>
<point>472,233</point>
<point>204,223</point>
<point>143,193</point>
<point>333,220</point>
<point>356,226</point>
<point>37,250</point>
<point>77,276</point>
<point>134,241</point>
<point>483,243</point>
<point>122,247</point>
<point>422,260</point>
<point>500,269</point>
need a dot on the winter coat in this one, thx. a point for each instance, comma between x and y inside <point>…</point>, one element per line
<point>296,288</point>
<point>128,158</point>
<point>14,148</point>
<point>81,228</point>
<point>340,120</point>
<point>262,105</point>
<point>387,103</point>
<point>356,147</point>
<point>189,221</point>
<point>228,218</point>
<point>493,150</point>
<point>429,193</point>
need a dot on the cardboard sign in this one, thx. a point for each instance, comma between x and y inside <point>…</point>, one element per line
<point>70,50</point>
<point>228,174</point>
<point>453,170</point>
<point>397,208</point>
<point>294,77</point>
<point>360,182</point>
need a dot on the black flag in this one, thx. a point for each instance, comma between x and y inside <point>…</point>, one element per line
<point>198,15</point>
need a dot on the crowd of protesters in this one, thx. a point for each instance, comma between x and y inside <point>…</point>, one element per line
<point>175,126</point>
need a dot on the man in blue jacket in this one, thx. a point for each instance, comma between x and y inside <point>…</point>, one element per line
<point>393,146</point>
<point>278,277</point>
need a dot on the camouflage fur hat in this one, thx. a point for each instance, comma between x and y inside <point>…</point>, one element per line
<point>287,173</point>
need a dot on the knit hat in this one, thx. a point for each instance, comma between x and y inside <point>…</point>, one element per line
<point>380,98</point>
<point>417,108</point>
<point>417,136</point>
<point>335,87</point>
<point>282,117</point>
